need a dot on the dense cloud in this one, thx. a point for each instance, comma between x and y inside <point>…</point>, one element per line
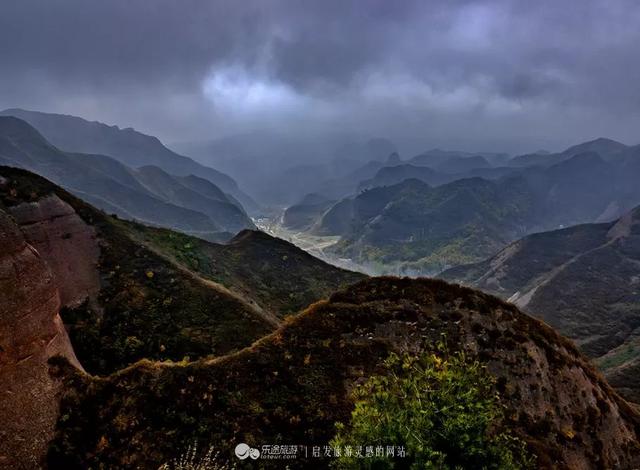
<point>491,75</point>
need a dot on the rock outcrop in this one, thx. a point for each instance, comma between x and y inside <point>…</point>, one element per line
<point>67,244</point>
<point>31,332</point>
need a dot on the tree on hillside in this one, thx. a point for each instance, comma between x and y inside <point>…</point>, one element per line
<point>442,408</point>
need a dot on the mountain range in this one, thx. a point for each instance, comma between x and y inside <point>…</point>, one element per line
<point>394,224</point>
<point>584,281</point>
<point>171,335</point>
<point>149,194</point>
<point>134,282</point>
<point>280,168</point>
<point>132,148</point>
<point>431,226</point>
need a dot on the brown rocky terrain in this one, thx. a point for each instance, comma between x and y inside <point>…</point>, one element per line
<point>31,332</point>
<point>66,242</point>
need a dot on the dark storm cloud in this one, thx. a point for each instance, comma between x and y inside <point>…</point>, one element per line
<point>456,73</point>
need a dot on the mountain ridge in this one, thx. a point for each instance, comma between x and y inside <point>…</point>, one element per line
<point>583,281</point>
<point>76,134</point>
<point>106,179</point>
<point>146,275</point>
<point>296,382</point>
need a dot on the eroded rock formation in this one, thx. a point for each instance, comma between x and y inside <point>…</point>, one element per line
<point>67,244</point>
<point>31,331</point>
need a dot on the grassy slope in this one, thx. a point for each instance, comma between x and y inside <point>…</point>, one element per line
<point>588,291</point>
<point>152,307</point>
<point>292,386</point>
<point>270,272</point>
<point>428,229</point>
<point>517,267</point>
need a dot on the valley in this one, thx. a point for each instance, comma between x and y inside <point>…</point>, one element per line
<point>262,322</point>
<point>316,245</point>
<point>319,235</point>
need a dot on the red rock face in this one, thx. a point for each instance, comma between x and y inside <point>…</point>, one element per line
<point>31,331</point>
<point>66,243</point>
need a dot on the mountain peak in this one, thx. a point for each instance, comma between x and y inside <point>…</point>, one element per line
<point>394,159</point>
<point>14,127</point>
<point>248,235</point>
<point>604,146</point>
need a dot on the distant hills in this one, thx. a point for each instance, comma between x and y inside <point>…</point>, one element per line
<point>425,227</point>
<point>132,148</point>
<point>390,175</point>
<point>149,194</point>
<point>606,148</point>
<point>281,168</point>
<point>584,281</point>
<point>392,224</point>
<point>455,161</point>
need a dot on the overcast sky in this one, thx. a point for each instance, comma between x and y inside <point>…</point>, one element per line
<point>475,75</point>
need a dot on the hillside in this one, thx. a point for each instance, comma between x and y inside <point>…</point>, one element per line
<point>422,225</point>
<point>607,148</point>
<point>583,188</point>
<point>293,385</point>
<point>125,298</point>
<point>584,281</point>
<point>148,194</point>
<point>302,216</point>
<point>267,271</point>
<point>428,228</point>
<point>195,193</point>
<point>132,148</point>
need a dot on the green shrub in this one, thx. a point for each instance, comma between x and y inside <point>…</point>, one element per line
<point>442,408</point>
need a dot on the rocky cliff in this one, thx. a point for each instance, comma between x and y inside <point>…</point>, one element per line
<point>66,242</point>
<point>31,332</point>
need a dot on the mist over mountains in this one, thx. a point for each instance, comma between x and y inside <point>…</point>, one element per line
<point>417,215</point>
<point>280,168</point>
<point>316,235</point>
<point>156,257</point>
<point>148,193</point>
